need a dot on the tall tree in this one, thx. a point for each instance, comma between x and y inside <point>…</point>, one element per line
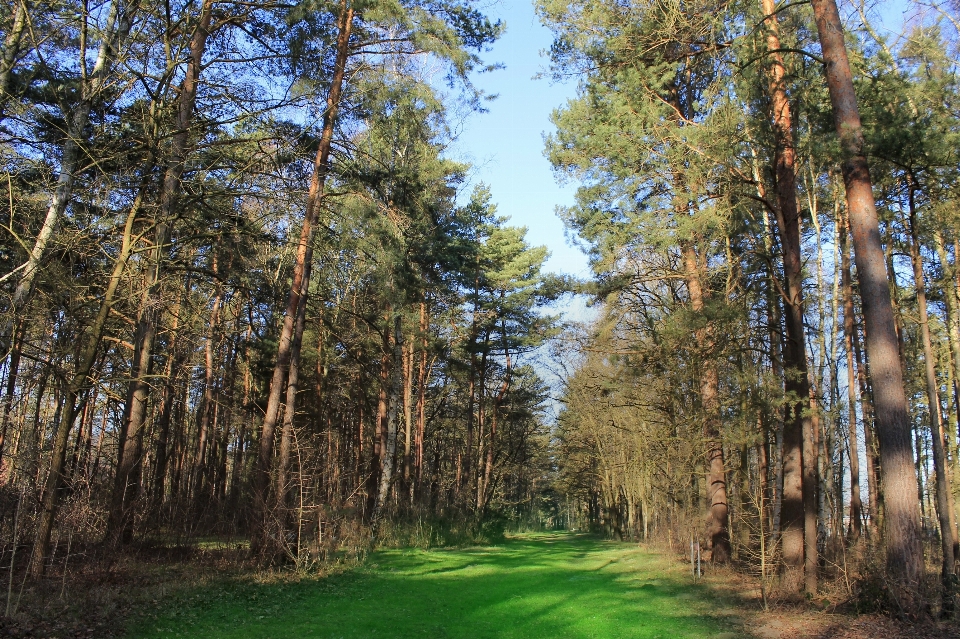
<point>899,487</point>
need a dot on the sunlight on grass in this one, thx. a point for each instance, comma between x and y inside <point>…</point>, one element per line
<point>535,585</point>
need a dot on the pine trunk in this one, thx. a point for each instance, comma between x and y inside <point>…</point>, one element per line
<point>948,532</point>
<point>298,288</point>
<point>901,513</point>
<point>117,28</point>
<point>718,523</point>
<point>393,409</point>
<point>856,505</point>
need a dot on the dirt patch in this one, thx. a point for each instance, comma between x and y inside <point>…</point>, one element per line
<point>798,624</point>
<point>99,599</point>
<point>827,619</point>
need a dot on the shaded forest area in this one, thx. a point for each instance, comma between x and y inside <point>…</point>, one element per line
<point>246,296</point>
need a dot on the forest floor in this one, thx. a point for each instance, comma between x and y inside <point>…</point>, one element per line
<point>549,585</point>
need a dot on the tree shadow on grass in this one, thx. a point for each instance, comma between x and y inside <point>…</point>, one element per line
<point>530,587</point>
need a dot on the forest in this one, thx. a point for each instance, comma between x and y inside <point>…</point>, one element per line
<point>248,294</point>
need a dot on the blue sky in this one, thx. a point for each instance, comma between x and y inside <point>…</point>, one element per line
<point>505,145</point>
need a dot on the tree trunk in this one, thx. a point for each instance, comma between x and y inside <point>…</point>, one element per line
<point>497,403</point>
<point>421,396</point>
<point>171,371</point>
<point>717,524</point>
<point>6,408</point>
<point>407,414</point>
<point>11,49</point>
<point>463,473</point>
<point>799,507</point>
<point>901,513</point>
<point>300,284</point>
<point>206,412</point>
<point>869,443</point>
<point>953,336</point>
<point>475,480</point>
<point>849,328</point>
<point>282,488</point>
<point>380,432</point>
<point>948,533</point>
<point>128,476</point>
<point>774,316</point>
<point>237,474</point>
<point>393,406</point>
<point>90,342</point>
<point>117,28</point>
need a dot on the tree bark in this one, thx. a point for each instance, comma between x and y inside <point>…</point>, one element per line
<point>282,488</point>
<point>90,344</point>
<point>128,477</point>
<point>380,432</point>
<point>6,408</point>
<point>393,406</point>
<point>799,505</point>
<point>717,524</point>
<point>497,403</point>
<point>206,412</point>
<point>300,284</point>
<point>421,397</point>
<point>901,513</point>
<point>948,533</point>
<point>11,49</point>
<point>869,442</point>
<point>856,505</point>
<point>117,28</point>
<point>463,473</point>
<point>775,333</point>
<point>407,414</point>
<point>953,336</point>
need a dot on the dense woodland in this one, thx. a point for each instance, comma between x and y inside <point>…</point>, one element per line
<point>248,293</point>
<point>778,344</point>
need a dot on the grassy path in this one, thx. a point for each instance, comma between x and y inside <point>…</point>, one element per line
<point>536,585</point>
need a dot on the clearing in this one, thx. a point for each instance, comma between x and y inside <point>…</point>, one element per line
<point>534,585</point>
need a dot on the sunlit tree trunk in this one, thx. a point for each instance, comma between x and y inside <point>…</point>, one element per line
<point>949,292</point>
<point>718,527</point>
<point>476,478</point>
<point>282,488</point>
<point>74,389</point>
<point>948,531</point>
<point>849,328</point>
<point>380,430</point>
<point>11,49</point>
<point>127,481</point>
<point>497,404</point>
<point>299,286</point>
<point>175,359</point>
<point>465,470</point>
<point>206,412</point>
<point>407,413</point>
<point>775,337</point>
<point>799,500</point>
<point>422,375</point>
<point>901,513</point>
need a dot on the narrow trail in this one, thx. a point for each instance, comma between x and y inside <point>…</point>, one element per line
<point>550,585</point>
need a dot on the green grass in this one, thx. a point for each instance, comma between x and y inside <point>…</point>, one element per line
<point>548,585</point>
